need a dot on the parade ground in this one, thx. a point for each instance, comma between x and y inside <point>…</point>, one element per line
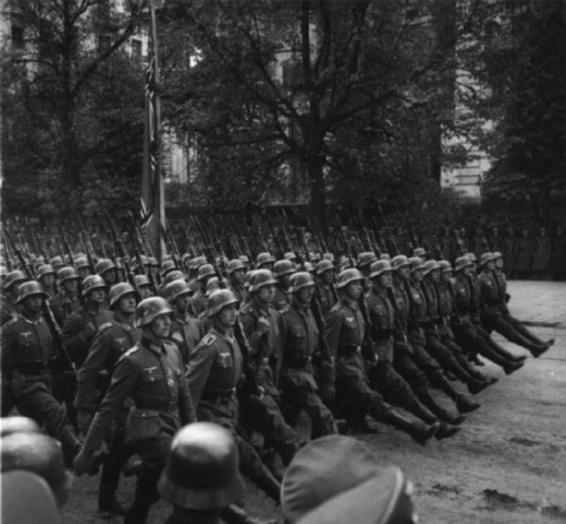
<point>508,464</point>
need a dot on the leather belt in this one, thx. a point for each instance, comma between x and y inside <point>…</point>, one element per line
<point>349,351</point>
<point>219,394</point>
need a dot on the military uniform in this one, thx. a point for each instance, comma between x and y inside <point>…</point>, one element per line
<point>213,376</point>
<point>326,296</point>
<point>198,304</point>
<point>152,375</point>
<point>263,413</point>
<point>186,332</point>
<point>28,351</point>
<point>9,308</point>
<point>79,330</point>
<point>64,305</point>
<point>299,343</point>
<point>282,299</point>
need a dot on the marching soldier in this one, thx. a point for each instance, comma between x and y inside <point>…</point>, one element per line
<point>151,374</point>
<point>112,341</point>
<point>186,330</point>
<point>215,372</point>
<point>82,266</point>
<point>81,327</point>
<point>282,271</point>
<point>144,286</point>
<point>28,352</point>
<point>260,322</point>
<point>346,333</point>
<point>264,260</point>
<point>46,277</point>
<point>67,301</point>
<point>198,302</point>
<point>236,272</point>
<point>300,343</point>
<point>325,288</point>
<point>108,271</point>
<point>383,376</point>
<point>10,295</point>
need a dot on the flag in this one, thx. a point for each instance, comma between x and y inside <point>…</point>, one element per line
<point>152,206</point>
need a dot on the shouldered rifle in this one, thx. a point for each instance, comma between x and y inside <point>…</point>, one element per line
<point>87,244</point>
<point>66,245</point>
<point>459,241</point>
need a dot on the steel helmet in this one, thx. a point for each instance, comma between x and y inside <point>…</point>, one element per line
<point>153,262</point>
<point>117,291</point>
<point>472,257</point>
<point>141,281</point>
<point>143,259</point>
<point>173,290</point>
<point>300,280</point>
<point>218,299</point>
<point>28,289</point>
<point>261,278</point>
<point>283,267</point>
<point>234,265</point>
<point>67,273</point>
<point>445,266</point>
<point>366,258</point>
<point>385,256</point>
<point>429,266</point>
<point>399,261</point>
<point>197,262</point>
<point>204,271</point>
<point>290,256</point>
<point>328,256</point>
<point>419,252</point>
<point>245,259</point>
<point>324,265</point>
<point>18,424</point>
<point>167,266</point>
<point>81,262</point>
<point>92,282</point>
<point>13,278</point>
<point>212,285</point>
<point>416,263</point>
<point>462,262</point>
<point>151,308</point>
<point>348,276</point>
<point>497,254</point>
<point>264,258</point>
<point>202,469</point>
<point>176,274</point>
<point>56,262</point>
<point>486,257</point>
<point>44,269</point>
<point>379,267</point>
<point>103,265</point>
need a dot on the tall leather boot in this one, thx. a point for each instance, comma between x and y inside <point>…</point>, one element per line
<point>419,431</point>
<point>427,399</point>
<point>463,403</point>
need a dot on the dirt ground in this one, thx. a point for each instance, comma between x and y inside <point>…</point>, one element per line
<point>508,464</point>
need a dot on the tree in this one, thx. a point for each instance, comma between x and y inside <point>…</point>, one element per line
<point>73,103</point>
<point>330,88</point>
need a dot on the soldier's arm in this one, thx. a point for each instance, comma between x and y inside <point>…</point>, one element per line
<point>186,406</point>
<point>124,379</point>
<point>199,370</point>
<point>88,376</point>
<point>256,332</point>
<point>76,337</point>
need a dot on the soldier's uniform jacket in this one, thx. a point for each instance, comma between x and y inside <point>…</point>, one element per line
<point>345,332</point>
<point>239,292</point>
<point>198,304</point>
<point>430,293</point>
<point>299,342</point>
<point>490,293</point>
<point>382,320</point>
<point>265,346</point>
<point>462,300</point>
<point>215,369</point>
<point>327,297</point>
<point>152,375</point>
<point>80,329</point>
<point>401,304</point>
<point>63,305</point>
<point>111,342</point>
<point>445,309</point>
<point>27,349</point>
<point>281,300</point>
<point>501,283</point>
<point>475,298</point>
<point>417,313</point>
<point>186,332</point>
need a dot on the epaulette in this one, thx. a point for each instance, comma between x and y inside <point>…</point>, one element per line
<point>335,307</point>
<point>208,339</point>
<point>104,327</point>
<point>131,351</point>
<point>285,309</point>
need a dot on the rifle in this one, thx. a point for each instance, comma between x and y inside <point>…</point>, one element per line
<point>89,249</point>
<point>460,242</point>
<point>66,244</point>
<point>251,385</point>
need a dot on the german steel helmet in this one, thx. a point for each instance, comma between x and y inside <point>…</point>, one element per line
<point>462,262</point>
<point>17,424</point>
<point>103,265</point>
<point>416,263</point>
<point>366,258</point>
<point>472,257</point>
<point>150,308</point>
<point>211,286</point>
<point>92,282</point>
<point>419,252</point>
<point>171,276</point>
<point>67,273</point>
<point>220,299</point>
<point>486,257</point>
<point>324,265</point>
<point>56,262</point>
<point>44,269</point>
<point>260,278</point>
<point>28,289</point>
<point>348,276</point>
<point>202,470</point>
<point>445,266</point>
<point>264,258</point>
<point>283,267</point>
<point>399,261</point>
<point>204,271</point>
<point>168,265</point>
<point>14,277</point>
<point>173,290</point>
<point>141,280</point>
<point>117,291</point>
<point>430,265</point>
<point>81,262</point>
<point>290,256</point>
<point>379,267</point>
<point>300,280</point>
<point>234,265</point>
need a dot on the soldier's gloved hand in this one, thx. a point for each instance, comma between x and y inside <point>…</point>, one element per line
<point>84,418</point>
<point>82,462</point>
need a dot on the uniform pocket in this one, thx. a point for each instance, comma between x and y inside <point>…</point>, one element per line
<point>142,424</point>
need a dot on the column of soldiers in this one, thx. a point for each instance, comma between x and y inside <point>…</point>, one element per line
<point>112,359</point>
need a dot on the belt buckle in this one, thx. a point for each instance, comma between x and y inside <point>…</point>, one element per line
<point>358,349</point>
